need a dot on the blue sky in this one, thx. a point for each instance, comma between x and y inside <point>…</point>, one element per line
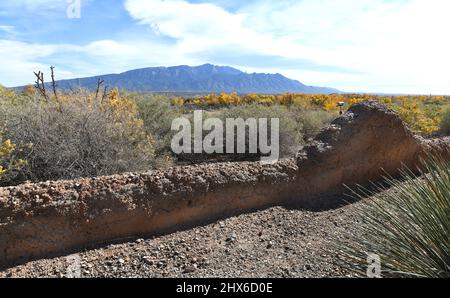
<point>396,46</point>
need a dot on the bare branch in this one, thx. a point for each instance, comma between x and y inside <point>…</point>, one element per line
<point>104,93</point>
<point>40,85</point>
<point>52,68</point>
<point>99,84</point>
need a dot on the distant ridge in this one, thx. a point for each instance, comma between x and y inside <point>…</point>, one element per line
<point>199,79</point>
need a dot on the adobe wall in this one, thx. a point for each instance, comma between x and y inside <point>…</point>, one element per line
<point>38,220</point>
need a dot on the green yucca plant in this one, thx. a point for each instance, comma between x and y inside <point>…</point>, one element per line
<point>406,223</point>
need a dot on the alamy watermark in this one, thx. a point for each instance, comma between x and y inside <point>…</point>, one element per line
<point>74,268</point>
<point>74,9</point>
<point>373,266</point>
<point>229,137</point>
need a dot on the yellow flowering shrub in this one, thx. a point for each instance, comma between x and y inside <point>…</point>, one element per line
<point>126,116</point>
<point>414,115</point>
<point>6,93</point>
<point>423,113</point>
<point>178,101</point>
<point>29,90</point>
<point>354,100</point>
<point>8,160</point>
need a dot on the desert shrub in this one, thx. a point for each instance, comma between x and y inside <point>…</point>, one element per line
<point>290,133</point>
<point>157,114</point>
<point>445,121</point>
<point>311,120</point>
<point>77,137</point>
<point>407,226</point>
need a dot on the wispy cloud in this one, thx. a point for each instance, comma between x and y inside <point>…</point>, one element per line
<point>35,7</point>
<point>7,29</point>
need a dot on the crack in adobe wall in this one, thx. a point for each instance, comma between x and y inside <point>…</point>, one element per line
<point>42,219</point>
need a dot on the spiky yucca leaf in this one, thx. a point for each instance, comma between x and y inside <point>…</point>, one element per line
<point>406,223</point>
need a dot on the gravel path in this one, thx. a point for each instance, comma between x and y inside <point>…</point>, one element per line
<point>277,242</point>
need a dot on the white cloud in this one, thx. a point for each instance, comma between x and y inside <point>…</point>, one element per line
<point>196,26</point>
<point>394,46</point>
<point>20,59</point>
<point>401,45</point>
<point>393,42</point>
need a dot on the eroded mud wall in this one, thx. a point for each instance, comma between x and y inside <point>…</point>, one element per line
<point>42,219</point>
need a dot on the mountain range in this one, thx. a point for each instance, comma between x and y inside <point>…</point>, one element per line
<point>199,79</point>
